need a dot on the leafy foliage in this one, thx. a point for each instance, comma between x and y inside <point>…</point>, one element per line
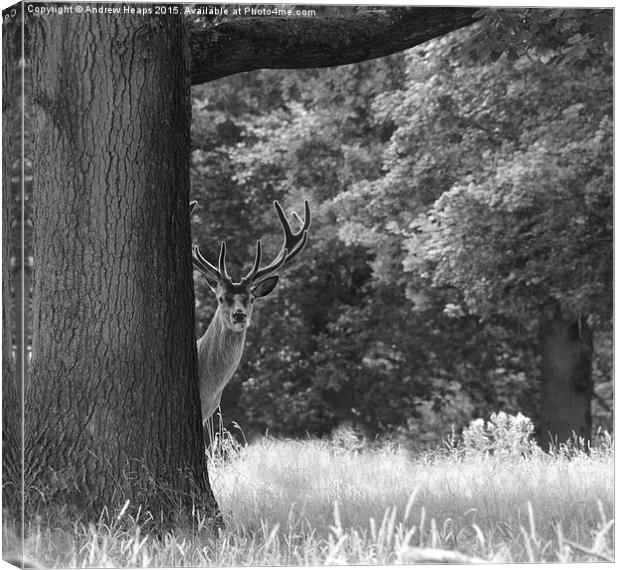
<point>536,223</point>
<point>444,188</point>
<point>556,36</point>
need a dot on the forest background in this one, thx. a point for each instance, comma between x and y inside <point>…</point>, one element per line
<point>457,193</point>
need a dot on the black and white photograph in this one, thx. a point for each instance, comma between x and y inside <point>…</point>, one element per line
<point>307,284</point>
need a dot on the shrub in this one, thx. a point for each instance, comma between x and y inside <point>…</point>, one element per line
<point>503,434</point>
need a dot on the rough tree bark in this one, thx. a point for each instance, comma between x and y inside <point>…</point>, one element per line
<point>246,44</point>
<point>112,409</point>
<point>566,379</point>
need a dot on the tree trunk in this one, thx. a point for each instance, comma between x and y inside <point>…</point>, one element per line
<point>112,408</point>
<point>11,382</point>
<point>566,379</point>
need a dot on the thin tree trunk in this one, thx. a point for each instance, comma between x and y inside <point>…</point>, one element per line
<point>112,409</point>
<point>566,379</point>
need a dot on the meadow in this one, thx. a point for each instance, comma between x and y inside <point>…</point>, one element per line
<point>347,501</point>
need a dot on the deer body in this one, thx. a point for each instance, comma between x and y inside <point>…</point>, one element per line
<point>221,347</point>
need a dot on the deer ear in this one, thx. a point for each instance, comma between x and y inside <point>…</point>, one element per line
<point>265,287</point>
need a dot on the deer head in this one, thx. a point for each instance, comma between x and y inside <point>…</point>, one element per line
<point>236,299</point>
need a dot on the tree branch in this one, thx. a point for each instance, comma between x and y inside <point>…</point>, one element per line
<point>246,44</point>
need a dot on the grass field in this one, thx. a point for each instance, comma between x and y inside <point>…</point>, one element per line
<point>317,502</point>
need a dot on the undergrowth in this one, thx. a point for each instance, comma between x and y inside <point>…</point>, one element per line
<point>487,495</point>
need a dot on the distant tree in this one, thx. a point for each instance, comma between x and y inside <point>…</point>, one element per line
<point>536,239</point>
<point>533,234</point>
<point>498,182</point>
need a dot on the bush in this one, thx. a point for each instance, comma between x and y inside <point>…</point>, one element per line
<point>503,435</point>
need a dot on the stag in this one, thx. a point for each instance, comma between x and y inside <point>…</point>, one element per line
<point>221,347</point>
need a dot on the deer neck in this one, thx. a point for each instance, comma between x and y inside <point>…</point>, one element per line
<point>221,347</point>
<point>219,354</point>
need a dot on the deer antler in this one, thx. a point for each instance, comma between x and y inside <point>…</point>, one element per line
<point>292,246</point>
<point>204,266</point>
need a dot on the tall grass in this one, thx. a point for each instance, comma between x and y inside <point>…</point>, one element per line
<point>523,509</point>
<point>317,502</point>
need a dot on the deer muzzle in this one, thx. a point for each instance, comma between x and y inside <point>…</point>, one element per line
<point>239,316</point>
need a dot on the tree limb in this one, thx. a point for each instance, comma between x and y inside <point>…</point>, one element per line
<point>246,44</point>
